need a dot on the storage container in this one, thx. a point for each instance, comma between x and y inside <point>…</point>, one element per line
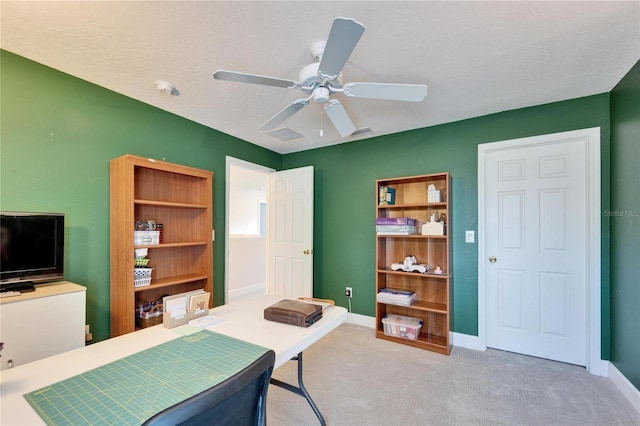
<point>149,318</point>
<point>142,277</point>
<point>140,263</point>
<point>401,326</point>
<point>145,238</point>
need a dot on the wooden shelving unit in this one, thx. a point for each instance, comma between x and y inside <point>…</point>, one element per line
<point>433,305</point>
<point>176,196</point>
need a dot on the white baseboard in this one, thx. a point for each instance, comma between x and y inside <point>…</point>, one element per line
<point>362,320</point>
<point>625,386</point>
<point>250,289</point>
<point>466,341</point>
<point>599,367</point>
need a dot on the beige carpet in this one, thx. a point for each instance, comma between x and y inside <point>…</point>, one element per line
<point>356,379</point>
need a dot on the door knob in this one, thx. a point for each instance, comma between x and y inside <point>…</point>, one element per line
<point>308,252</point>
<point>492,259</point>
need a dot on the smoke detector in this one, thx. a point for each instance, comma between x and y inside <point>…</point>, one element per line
<point>166,87</point>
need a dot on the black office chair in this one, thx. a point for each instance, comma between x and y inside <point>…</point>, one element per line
<point>239,400</point>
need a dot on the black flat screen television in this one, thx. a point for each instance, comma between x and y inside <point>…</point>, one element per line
<point>31,249</point>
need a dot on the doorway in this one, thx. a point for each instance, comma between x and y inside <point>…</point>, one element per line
<point>245,234</point>
<point>268,230</point>
<point>539,247</point>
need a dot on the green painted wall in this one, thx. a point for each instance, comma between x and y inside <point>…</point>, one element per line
<point>58,134</point>
<point>344,248</point>
<point>625,226</point>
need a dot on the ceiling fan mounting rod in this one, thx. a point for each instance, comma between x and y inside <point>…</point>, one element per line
<point>317,50</point>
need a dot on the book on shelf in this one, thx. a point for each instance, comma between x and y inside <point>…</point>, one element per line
<point>386,196</point>
<point>396,297</point>
<point>396,233</point>
<point>395,221</point>
<point>395,229</point>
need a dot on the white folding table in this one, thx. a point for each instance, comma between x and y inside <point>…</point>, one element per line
<point>242,319</point>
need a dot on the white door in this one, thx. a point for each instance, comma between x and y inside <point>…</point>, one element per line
<point>536,248</point>
<point>290,233</point>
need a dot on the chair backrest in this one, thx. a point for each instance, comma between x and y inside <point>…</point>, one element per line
<point>239,400</point>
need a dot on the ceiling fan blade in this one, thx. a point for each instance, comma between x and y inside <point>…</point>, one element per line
<point>392,92</point>
<point>242,77</point>
<point>287,112</point>
<point>343,37</point>
<point>339,117</point>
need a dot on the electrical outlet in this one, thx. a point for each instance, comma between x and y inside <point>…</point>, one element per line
<point>348,291</point>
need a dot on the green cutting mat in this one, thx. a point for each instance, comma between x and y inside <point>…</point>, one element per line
<point>132,389</point>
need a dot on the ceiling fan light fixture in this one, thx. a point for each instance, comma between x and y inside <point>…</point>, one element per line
<point>321,95</point>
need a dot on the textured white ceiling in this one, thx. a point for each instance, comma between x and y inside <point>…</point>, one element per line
<point>478,58</point>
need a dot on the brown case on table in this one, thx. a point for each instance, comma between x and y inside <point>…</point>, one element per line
<point>293,312</point>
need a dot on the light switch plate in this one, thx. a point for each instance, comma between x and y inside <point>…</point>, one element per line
<point>469,236</point>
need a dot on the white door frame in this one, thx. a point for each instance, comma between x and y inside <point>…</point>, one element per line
<point>595,364</point>
<point>247,165</point>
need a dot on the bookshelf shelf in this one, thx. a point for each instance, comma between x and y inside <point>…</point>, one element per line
<point>170,204</point>
<point>170,281</point>
<point>412,206</point>
<point>170,245</point>
<point>414,274</point>
<point>420,237</point>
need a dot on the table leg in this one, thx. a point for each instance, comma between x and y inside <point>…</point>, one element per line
<point>300,390</point>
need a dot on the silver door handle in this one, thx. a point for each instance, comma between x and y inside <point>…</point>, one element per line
<point>493,259</point>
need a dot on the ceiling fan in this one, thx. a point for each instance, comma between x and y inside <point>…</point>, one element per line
<point>322,79</point>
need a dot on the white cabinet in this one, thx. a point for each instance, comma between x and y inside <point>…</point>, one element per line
<point>42,323</point>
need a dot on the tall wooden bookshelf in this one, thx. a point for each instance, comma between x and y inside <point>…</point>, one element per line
<point>178,197</point>
<point>433,305</point>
